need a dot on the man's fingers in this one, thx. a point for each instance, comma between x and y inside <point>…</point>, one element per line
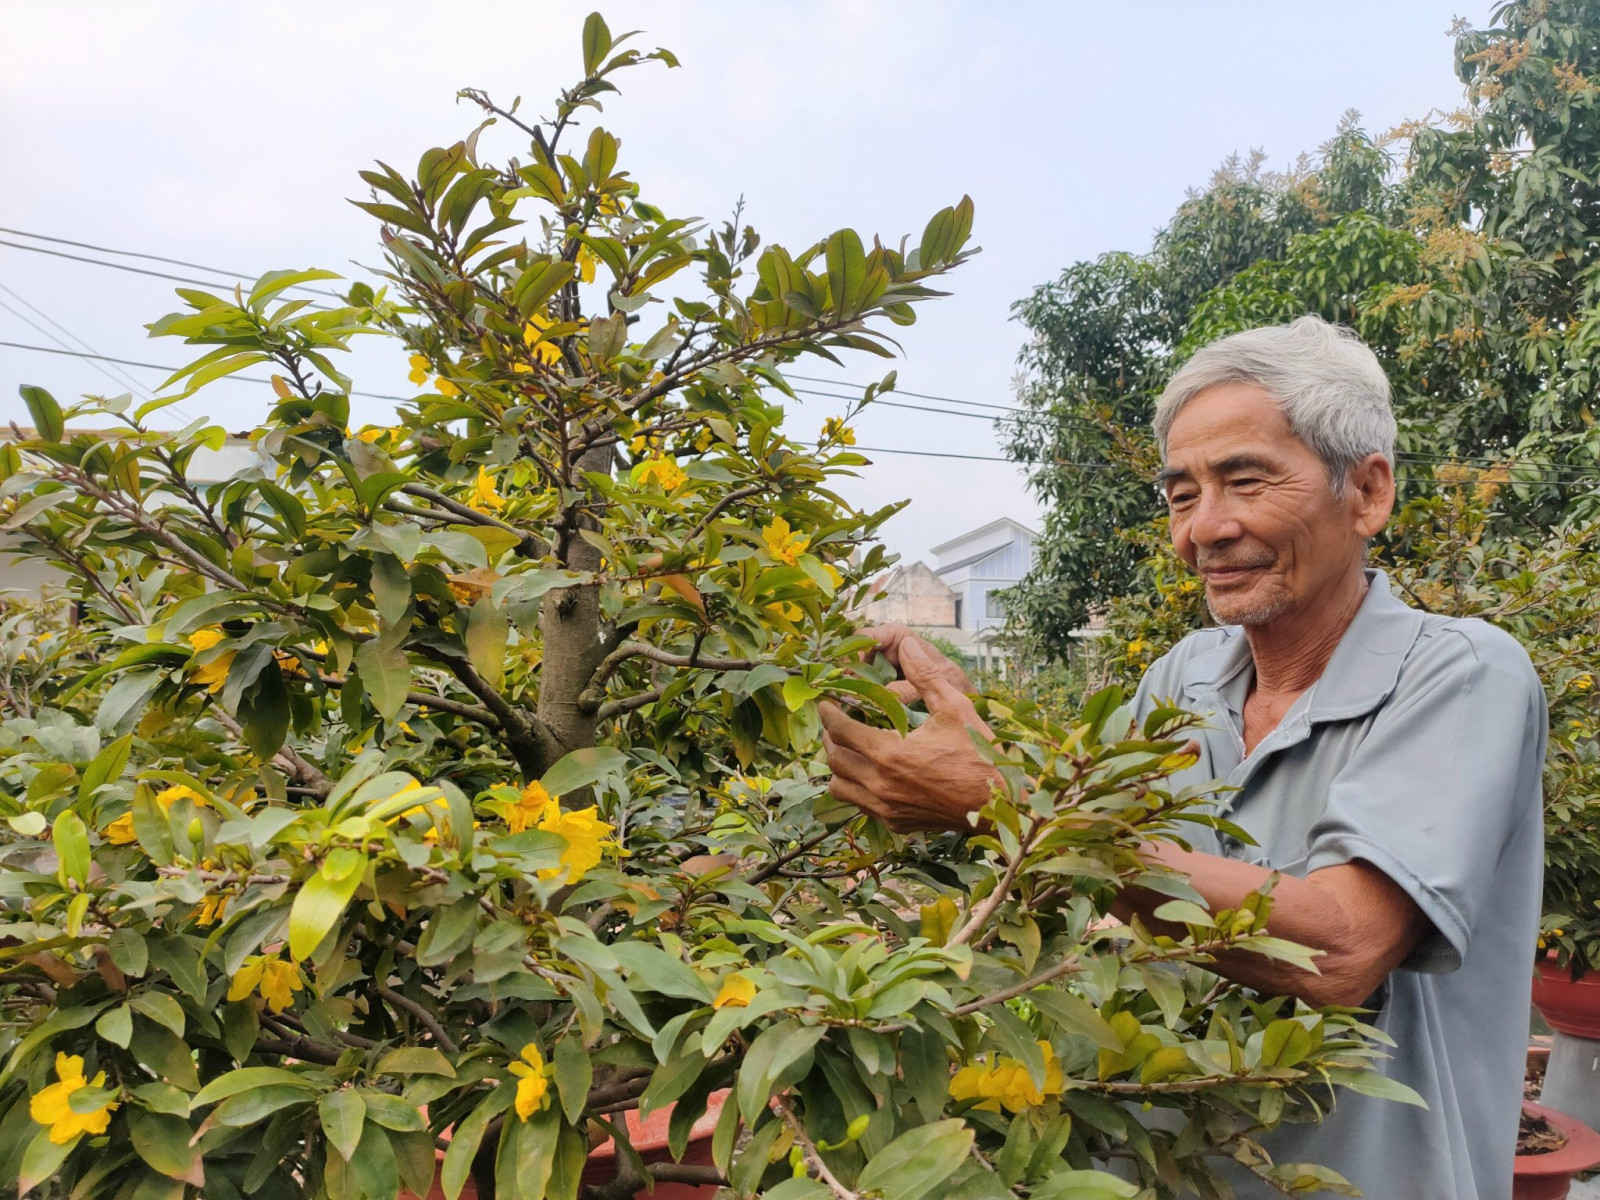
<point>888,638</point>
<point>905,690</point>
<point>923,669</point>
<point>848,732</point>
<point>844,761</point>
<point>853,793</point>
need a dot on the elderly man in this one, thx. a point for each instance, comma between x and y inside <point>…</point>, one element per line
<point>1385,760</point>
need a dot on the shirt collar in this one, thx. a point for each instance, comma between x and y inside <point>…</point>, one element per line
<point>1358,678</point>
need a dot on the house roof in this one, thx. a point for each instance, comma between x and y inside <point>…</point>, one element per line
<point>972,533</point>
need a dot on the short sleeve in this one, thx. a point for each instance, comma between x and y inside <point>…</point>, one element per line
<point>1447,777</point>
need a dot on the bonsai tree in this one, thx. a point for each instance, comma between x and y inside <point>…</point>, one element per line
<point>418,801</point>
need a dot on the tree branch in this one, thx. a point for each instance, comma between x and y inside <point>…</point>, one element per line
<point>592,697</point>
<point>422,1016</point>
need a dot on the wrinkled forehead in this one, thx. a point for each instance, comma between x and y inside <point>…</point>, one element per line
<point>1228,427</point>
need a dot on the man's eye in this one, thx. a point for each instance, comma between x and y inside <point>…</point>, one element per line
<point>1180,499</point>
<point>1247,481</point>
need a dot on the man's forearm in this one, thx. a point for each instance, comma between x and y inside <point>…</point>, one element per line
<point>1363,926</point>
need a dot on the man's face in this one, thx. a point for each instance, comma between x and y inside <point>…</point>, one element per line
<point>1253,511</point>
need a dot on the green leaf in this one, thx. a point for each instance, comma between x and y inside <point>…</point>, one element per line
<point>317,908</point>
<point>582,768</point>
<point>264,711</point>
<point>373,1167</point>
<point>128,952</point>
<point>105,766</point>
<point>392,1112</point>
<point>574,1073</point>
<point>342,1114</point>
<point>163,1141</point>
<point>160,1008</point>
<point>782,1050</point>
<point>487,632</point>
<point>391,588</point>
<point>655,970</point>
<point>1285,1043</point>
<point>596,42</point>
<point>71,837</point>
<point>1084,1185</point>
<point>386,675</point>
<point>1371,1083</point>
<point>41,1160</point>
<point>1076,1015</point>
<point>918,1161</point>
<point>797,692</point>
<point>44,410</point>
<point>468,1137</point>
<point>415,1060</point>
<point>116,1025</point>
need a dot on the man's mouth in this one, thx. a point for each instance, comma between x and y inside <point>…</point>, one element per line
<point>1229,574</point>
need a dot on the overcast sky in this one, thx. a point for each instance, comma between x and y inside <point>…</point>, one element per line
<point>230,135</point>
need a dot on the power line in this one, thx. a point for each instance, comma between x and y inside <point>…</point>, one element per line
<point>129,362</point>
<point>117,375</point>
<point>1547,478</point>
<point>100,262</point>
<point>176,262</point>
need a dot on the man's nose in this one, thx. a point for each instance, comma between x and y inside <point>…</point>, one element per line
<point>1213,521</point>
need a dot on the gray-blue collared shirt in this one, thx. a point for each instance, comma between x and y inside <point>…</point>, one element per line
<point>1419,751</point>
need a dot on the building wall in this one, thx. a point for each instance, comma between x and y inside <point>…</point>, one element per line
<point>976,577</point>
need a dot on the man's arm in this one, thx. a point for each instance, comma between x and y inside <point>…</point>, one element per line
<point>1363,922</point>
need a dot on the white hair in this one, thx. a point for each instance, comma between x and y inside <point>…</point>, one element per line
<point>1328,383</point>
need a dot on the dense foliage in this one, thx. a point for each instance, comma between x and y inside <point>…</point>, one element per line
<point>420,799</point>
<point>1469,264</point>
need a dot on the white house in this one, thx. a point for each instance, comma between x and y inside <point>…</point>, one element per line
<point>978,564</point>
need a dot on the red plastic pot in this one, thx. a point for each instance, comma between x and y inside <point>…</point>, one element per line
<point>649,1138</point>
<point>1568,1006</point>
<point>1548,1176</point>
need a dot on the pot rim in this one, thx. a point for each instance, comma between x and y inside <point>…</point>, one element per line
<point>1581,1152</point>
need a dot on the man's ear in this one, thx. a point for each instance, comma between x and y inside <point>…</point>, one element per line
<point>1369,493</point>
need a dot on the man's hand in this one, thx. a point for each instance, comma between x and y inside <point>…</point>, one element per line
<point>930,779</point>
<point>892,640</point>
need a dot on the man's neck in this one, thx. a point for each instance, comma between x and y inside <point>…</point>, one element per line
<point>1291,652</point>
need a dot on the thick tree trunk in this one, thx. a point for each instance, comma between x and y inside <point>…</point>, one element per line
<point>573,644</point>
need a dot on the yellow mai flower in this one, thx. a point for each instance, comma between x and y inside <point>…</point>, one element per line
<point>533,1082</point>
<point>586,835</point>
<point>785,545</point>
<point>52,1107</point>
<point>276,978</point>
<point>120,832</point>
<point>546,352</point>
<point>833,574</point>
<point>529,809</point>
<point>445,387</point>
<point>419,370</point>
<point>736,992</point>
<point>586,263</point>
<point>167,797</point>
<point>835,430</point>
<point>1007,1083</point>
<point>484,498</point>
<point>660,470</point>
<point>786,611</point>
<point>211,910</point>
<point>214,673</point>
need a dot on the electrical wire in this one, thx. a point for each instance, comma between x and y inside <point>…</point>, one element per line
<point>1014,411</point>
<point>129,362</point>
<point>176,262</point>
<point>99,262</point>
<point>1547,478</point>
